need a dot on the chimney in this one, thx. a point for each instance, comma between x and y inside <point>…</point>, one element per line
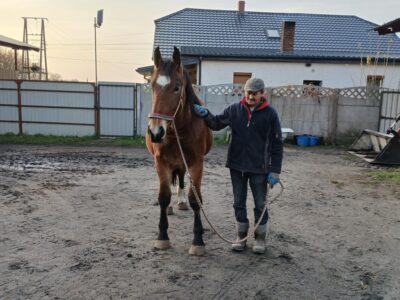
<point>241,7</point>
<point>287,38</point>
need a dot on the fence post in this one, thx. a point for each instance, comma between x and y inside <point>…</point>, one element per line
<point>334,116</point>
<point>19,106</point>
<point>96,110</point>
<point>135,114</point>
<point>139,109</point>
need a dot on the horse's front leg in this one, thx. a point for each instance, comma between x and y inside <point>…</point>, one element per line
<point>182,202</point>
<point>164,199</point>
<point>198,246</point>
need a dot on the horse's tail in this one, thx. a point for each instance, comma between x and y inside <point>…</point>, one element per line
<point>174,176</point>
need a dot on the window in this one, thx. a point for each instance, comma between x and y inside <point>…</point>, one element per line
<point>312,82</point>
<point>375,81</point>
<point>192,70</point>
<point>272,33</point>
<point>311,88</point>
<point>240,77</point>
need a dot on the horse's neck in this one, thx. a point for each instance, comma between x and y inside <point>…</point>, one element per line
<point>184,117</point>
<point>183,120</point>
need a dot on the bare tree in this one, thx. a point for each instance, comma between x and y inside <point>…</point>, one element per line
<point>7,67</point>
<point>7,64</point>
<point>55,77</point>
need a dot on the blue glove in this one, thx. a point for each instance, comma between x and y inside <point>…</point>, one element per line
<point>200,111</point>
<point>272,179</point>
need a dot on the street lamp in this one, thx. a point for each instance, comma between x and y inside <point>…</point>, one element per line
<point>97,24</point>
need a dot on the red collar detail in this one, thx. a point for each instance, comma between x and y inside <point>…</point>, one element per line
<point>264,104</point>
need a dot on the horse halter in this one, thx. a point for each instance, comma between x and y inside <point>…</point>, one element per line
<point>154,115</point>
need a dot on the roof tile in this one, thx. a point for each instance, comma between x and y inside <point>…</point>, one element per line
<point>224,33</point>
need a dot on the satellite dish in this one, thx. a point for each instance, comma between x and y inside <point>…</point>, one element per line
<point>99,17</point>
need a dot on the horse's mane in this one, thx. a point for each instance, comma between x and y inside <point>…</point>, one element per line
<point>190,94</point>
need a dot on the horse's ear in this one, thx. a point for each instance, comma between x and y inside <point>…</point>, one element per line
<point>157,57</point>
<point>176,57</point>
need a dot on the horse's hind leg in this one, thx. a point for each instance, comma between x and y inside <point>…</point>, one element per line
<point>164,199</point>
<point>198,247</point>
<point>180,191</point>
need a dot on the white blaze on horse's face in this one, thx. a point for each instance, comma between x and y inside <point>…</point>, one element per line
<point>163,80</point>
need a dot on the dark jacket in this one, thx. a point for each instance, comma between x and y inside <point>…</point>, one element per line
<point>256,145</point>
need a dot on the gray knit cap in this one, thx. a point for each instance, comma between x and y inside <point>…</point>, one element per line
<point>254,85</point>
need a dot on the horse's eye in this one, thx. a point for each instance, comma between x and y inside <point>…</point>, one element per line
<point>176,88</point>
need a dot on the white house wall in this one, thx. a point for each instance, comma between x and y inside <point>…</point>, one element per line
<point>281,73</point>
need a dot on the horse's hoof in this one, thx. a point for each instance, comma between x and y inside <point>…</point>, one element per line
<point>197,250</point>
<point>162,244</point>
<point>183,206</point>
<point>170,210</point>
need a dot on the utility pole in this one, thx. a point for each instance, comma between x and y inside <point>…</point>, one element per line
<point>30,65</point>
<point>97,24</point>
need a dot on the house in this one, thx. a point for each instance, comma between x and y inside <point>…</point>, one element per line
<point>230,46</point>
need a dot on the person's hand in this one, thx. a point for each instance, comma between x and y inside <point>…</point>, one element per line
<point>272,179</point>
<point>200,111</point>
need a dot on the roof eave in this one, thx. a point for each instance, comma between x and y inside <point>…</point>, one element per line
<point>304,59</point>
<point>15,44</point>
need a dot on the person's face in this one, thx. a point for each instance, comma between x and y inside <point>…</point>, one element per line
<point>253,98</point>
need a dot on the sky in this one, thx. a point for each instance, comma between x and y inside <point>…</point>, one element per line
<point>125,39</point>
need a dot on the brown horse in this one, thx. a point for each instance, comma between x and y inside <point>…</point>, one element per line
<point>173,98</point>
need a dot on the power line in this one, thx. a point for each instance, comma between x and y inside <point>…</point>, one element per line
<point>102,61</point>
<point>101,44</point>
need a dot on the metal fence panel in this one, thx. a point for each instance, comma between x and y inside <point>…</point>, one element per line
<point>9,107</point>
<point>390,108</point>
<point>8,84</point>
<point>58,86</point>
<point>58,99</point>
<point>9,127</point>
<point>144,108</point>
<point>116,123</point>
<point>117,102</point>
<point>8,97</point>
<point>117,95</point>
<point>59,108</point>
<point>58,129</point>
<point>8,113</point>
<point>58,115</point>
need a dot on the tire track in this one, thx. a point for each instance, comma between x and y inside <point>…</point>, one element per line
<point>231,281</point>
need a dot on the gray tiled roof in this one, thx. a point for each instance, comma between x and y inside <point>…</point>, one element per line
<point>227,33</point>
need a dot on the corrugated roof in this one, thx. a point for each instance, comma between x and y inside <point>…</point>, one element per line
<point>228,33</point>
<point>14,44</point>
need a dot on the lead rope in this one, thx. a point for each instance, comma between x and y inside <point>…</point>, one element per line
<point>201,205</point>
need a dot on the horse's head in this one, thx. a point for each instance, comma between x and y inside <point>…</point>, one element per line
<point>168,87</point>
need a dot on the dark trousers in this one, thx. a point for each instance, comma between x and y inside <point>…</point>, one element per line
<point>258,187</point>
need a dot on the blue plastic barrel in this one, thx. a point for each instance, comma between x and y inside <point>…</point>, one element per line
<point>303,140</point>
<point>314,140</point>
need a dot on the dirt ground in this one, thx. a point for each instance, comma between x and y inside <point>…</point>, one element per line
<point>78,223</point>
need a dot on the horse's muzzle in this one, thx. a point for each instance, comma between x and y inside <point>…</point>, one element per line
<point>159,136</point>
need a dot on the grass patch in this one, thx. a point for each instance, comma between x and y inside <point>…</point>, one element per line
<point>219,140</point>
<point>350,157</point>
<point>386,175</point>
<point>39,139</point>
